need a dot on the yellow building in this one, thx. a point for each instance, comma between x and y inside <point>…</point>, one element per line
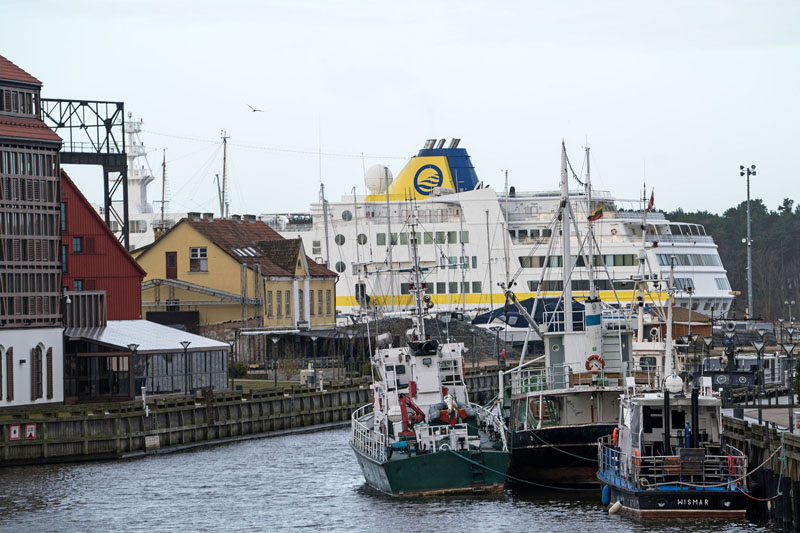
<point>237,272</point>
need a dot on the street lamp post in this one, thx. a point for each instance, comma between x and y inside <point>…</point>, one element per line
<point>230,368</point>
<point>132,347</point>
<point>749,171</point>
<point>186,366</point>
<point>759,346</point>
<point>789,348</point>
<point>780,326</point>
<point>274,364</point>
<point>789,304</point>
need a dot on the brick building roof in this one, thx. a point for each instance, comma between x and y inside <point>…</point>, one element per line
<point>11,72</point>
<point>26,128</point>
<point>255,243</point>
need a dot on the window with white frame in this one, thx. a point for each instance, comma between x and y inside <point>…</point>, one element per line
<point>198,259</point>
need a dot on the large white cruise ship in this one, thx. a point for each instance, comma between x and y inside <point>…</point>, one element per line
<point>472,238</point>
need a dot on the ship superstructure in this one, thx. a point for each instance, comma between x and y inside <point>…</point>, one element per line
<point>473,237</point>
<point>144,221</point>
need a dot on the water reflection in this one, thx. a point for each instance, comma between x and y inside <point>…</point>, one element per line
<point>309,481</point>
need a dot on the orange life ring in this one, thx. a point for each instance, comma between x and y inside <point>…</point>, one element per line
<point>615,436</point>
<point>595,357</point>
<point>613,231</point>
<point>637,459</point>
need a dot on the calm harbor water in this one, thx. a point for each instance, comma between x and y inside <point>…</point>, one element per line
<point>308,481</point>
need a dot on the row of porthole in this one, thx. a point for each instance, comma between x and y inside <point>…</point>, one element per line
<point>340,240</point>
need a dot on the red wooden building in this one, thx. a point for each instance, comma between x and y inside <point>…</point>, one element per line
<point>94,260</point>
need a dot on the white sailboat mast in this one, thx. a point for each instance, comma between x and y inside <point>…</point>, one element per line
<point>389,235</point>
<point>668,365</point>
<point>590,231</point>
<point>565,235</point>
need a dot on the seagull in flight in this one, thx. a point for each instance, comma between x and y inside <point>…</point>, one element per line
<point>254,109</point>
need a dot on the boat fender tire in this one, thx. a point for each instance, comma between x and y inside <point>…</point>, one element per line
<point>643,483</point>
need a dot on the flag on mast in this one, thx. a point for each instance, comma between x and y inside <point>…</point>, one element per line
<point>652,200</point>
<point>596,214</point>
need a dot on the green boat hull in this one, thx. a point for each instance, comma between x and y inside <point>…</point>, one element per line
<point>442,472</point>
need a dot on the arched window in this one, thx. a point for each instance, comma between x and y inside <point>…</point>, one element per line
<point>49,373</point>
<point>10,374</point>
<point>36,372</point>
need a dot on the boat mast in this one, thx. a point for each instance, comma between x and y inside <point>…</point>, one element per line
<point>463,257</point>
<point>566,258</point>
<point>417,290</point>
<point>668,364</point>
<point>489,261</point>
<point>325,218</point>
<point>505,233</point>
<point>590,231</point>
<point>358,252</point>
<point>225,201</point>
<point>389,235</point>
<point>642,269</point>
<point>163,183</point>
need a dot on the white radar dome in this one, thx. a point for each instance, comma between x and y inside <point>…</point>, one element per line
<point>674,384</point>
<point>376,178</point>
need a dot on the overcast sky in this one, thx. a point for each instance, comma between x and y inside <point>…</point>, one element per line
<point>678,93</point>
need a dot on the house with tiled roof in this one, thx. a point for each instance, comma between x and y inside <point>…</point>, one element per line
<point>235,278</point>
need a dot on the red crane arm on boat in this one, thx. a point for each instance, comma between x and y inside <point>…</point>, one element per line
<point>411,414</point>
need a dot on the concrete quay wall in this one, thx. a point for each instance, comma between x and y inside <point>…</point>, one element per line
<point>59,433</point>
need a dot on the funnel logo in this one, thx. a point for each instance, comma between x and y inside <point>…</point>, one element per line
<point>427,178</point>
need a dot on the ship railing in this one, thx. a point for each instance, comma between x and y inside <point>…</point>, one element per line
<point>491,422</point>
<point>679,238</point>
<point>434,438</point>
<point>564,376</point>
<point>692,467</point>
<point>365,439</point>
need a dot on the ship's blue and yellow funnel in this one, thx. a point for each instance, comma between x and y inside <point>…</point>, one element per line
<point>432,167</point>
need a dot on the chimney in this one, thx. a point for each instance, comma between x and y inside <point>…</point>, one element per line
<point>250,218</point>
<point>194,215</point>
<point>236,218</point>
<point>208,216</point>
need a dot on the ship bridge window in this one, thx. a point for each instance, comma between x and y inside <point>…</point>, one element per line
<point>440,237</point>
<point>452,237</point>
<point>522,234</point>
<point>347,215</point>
<point>450,372</point>
<point>723,284</point>
<point>465,237</point>
<point>428,237</point>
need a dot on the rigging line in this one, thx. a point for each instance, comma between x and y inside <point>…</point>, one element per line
<point>201,171</point>
<point>569,164</point>
<point>313,153</point>
<point>508,476</point>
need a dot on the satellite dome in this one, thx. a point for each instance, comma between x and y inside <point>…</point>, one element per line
<point>376,178</point>
<point>674,384</point>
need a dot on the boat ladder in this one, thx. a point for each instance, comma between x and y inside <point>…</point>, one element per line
<point>477,471</point>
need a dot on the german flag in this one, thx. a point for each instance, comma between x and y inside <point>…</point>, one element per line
<point>596,214</point>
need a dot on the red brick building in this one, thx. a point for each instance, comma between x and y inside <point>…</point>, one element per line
<point>94,260</point>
